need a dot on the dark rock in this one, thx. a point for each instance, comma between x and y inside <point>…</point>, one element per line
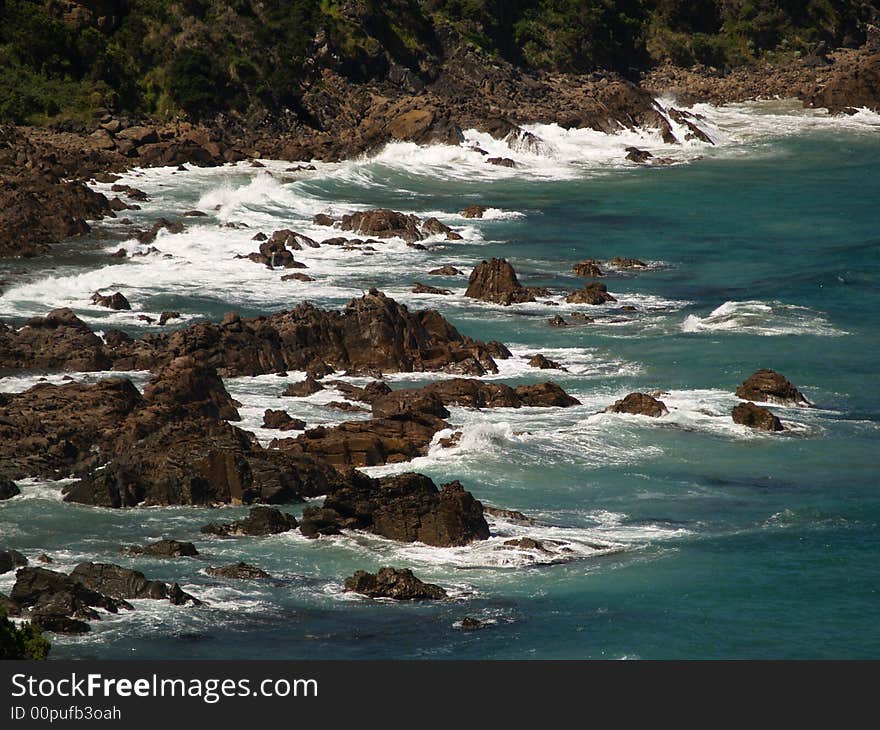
<point>260,521</point>
<point>111,301</point>
<point>409,508</point>
<point>543,363</point>
<point>10,560</point>
<point>118,582</point>
<point>508,514</point>
<point>61,625</point>
<point>419,288</point>
<point>768,386</point>
<point>546,395</point>
<point>238,571</point>
<point>150,235</point>
<point>753,416</point>
<point>399,584</point>
<point>345,406</point>
<point>282,421</point>
<point>304,388</point>
<point>594,292</point>
<point>445,270</point>
<point>496,281</point>
<point>472,624</point>
<point>321,219</point>
<point>166,316</point>
<point>8,489</point>
<point>296,277</point>
<point>48,593</point>
<point>557,321</point>
<point>383,223</point>
<point>625,263</point>
<point>634,154</point>
<point>640,404</point>
<point>165,549</point>
<point>501,161</point>
<point>589,268</point>
<point>195,214</point>
<point>526,543</point>
<point>474,211</point>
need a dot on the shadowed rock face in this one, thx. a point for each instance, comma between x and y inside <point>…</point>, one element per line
<point>639,404</point>
<point>753,416</point>
<point>8,489</point>
<point>48,593</point>
<point>406,507</point>
<point>768,386</point>
<point>238,571</point>
<point>399,584</point>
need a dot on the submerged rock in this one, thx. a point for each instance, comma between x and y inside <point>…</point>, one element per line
<point>639,404</point>
<point>627,263</point>
<point>238,571</point>
<point>445,270</point>
<point>768,386</point>
<point>589,268</point>
<point>543,363</point>
<point>165,549</point>
<point>474,211</point>
<point>419,288</point>
<point>396,583</point>
<point>754,416</point>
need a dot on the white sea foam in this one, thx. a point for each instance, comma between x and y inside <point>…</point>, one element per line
<point>762,318</point>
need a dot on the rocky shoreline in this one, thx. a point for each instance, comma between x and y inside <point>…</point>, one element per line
<point>44,196</point>
<point>175,443</point>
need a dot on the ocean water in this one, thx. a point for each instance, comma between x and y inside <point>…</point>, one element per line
<point>684,537</point>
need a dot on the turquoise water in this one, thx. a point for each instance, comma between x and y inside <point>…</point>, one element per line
<point>715,542</point>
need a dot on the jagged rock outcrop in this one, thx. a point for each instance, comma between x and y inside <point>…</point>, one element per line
<point>754,416</point>
<point>51,594</point>
<point>11,559</point>
<point>496,281</point>
<point>589,268</point>
<point>639,404</point>
<point>768,386</point>
<point>399,584</point>
<point>407,507</point>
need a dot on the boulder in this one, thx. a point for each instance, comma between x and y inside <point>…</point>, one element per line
<point>303,388</point>
<point>589,268</point>
<point>111,301</point>
<point>768,386</point>
<point>10,560</point>
<point>445,270</point>
<point>260,521</point>
<point>754,416</point>
<point>48,593</point>
<point>419,288</point>
<point>383,223</point>
<point>165,549</point>
<point>8,489</point>
<point>508,514</point>
<point>496,281</point>
<point>639,404</point>
<point>543,363</point>
<point>166,316</point>
<point>399,584</point>
<point>118,582</point>
<point>545,395</point>
<point>282,421</point>
<point>594,292</point>
<point>501,161</point>
<point>238,571</point>
<point>474,211</point>
<point>634,154</point>
<point>407,507</point>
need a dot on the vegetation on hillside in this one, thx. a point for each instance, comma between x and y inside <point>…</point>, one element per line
<point>251,56</point>
<point>26,642</point>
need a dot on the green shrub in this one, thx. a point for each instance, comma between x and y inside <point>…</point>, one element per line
<point>26,642</point>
